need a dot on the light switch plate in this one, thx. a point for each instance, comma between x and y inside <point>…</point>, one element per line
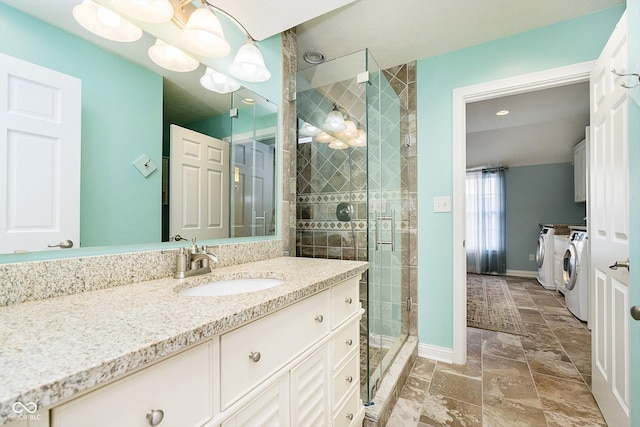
<point>442,204</point>
<point>145,165</point>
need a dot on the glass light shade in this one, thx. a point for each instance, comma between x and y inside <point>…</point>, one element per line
<point>351,131</point>
<point>334,122</point>
<point>155,11</point>
<point>218,82</point>
<point>336,144</point>
<point>171,58</point>
<point>308,129</point>
<point>248,64</point>
<point>324,138</point>
<point>203,35</point>
<point>102,22</point>
<point>360,140</point>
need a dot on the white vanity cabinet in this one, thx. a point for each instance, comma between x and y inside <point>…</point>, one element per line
<point>177,391</point>
<point>560,246</point>
<point>297,366</point>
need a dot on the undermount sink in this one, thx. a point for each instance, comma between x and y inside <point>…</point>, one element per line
<point>231,287</point>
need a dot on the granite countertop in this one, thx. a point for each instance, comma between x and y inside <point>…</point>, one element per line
<point>54,348</point>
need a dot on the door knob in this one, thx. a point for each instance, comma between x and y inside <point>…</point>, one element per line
<point>65,244</point>
<point>635,312</point>
<point>623,264</point>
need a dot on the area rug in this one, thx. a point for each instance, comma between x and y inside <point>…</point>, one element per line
<point>491,306</point>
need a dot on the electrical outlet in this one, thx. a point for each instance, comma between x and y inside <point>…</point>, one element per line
<point>532,257</point>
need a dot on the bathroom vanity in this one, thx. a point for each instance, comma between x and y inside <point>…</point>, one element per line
<point>143,354</point>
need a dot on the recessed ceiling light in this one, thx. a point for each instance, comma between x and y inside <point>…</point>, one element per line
<point>313,56</point>
<point>249,101</point>
<point>502,113</point>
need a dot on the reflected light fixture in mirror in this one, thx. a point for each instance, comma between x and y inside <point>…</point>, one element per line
<point>203,35</point>
<point>324,138</point>
<point>308,129</point>
<point>171,58</point>
<point>334,121</point>
<point>350,132</point>
<point>336,144</point>
<point>218,82</point>
<point>154,11</point>
<point>103,22</point>
<point>248,64</point>
<point>360,140</point>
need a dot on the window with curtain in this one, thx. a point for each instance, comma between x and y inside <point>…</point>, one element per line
<point>486,224</point>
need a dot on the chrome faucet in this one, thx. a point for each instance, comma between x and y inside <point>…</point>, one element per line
<point>193,261</point>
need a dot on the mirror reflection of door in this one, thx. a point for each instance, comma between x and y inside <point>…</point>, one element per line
<point>39,157</point>
<point>199,185</point>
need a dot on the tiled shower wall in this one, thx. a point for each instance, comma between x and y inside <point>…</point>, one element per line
<point>327,177</point>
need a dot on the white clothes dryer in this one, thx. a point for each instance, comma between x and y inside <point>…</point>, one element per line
<point>575,275</point>
<point>544,257</point>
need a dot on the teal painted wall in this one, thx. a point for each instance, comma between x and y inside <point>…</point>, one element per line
<point>121,119</point>
<point>633,16</point>
<point>565,43</point>
<point>535,195</point>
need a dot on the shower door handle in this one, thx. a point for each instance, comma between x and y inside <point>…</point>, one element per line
<point>391,218</point>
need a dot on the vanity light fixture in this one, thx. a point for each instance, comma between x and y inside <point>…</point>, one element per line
<point>218,82</point>
<point>248,64</point>
<point>154,11</point>
<point>308,129</point>
<point>203,35</point>
<point>334,121</point>
<point>360,140</point>
<point>105,23</point>
<point>171,58</point>
<point>324,138</point>
<point>336,144</point>
<point>351,130</point>
<point>502,113</point>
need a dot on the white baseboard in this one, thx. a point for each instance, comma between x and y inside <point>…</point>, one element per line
<point>434,352</point>
<point>522,273</point>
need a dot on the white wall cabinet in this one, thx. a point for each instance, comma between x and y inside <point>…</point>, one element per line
<point>580,172</point>
<point>298,366</point>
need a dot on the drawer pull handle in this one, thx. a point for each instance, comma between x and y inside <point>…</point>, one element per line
<point>348,300</point>
<point>349,379</point>
<point>155,417</point>
<point>319,318</point>
<point>254,356</point>
<point>350,417</point>
<point>349,341</point>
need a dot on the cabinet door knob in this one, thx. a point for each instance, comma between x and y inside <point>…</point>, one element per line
<point>349,341</point>
<point>348,300</point>
<point>350,417</point>
<point>349,379</point>
<point>155,417</point>
<point>319,318</point>
<point>254,356</point>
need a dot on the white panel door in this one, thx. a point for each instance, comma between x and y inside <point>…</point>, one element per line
<point>40,119</point>
<point>199,185</point>
<point>609,231</point>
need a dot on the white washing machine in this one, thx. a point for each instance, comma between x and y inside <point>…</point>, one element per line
<point>575,275</point>
<point>544,257</point>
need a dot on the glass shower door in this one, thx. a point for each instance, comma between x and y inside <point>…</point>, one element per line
<point>386,309</point>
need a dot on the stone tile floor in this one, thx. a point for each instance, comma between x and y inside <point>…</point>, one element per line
<point>542,379</point>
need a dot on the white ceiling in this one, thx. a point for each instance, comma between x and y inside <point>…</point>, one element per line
<point>541,127</point>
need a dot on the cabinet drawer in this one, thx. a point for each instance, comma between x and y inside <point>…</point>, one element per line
<point>346,379</point>
<point>181,387</point>
<point>345,300</point>
<point>346,341</point>
<point>272,342</point>
<point>350,413</point>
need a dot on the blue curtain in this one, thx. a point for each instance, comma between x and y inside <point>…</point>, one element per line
<point>486,222</point>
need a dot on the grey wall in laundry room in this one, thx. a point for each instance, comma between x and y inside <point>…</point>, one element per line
<point>534,195</point>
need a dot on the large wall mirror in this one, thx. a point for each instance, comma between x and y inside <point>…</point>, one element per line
<point>135,112</point>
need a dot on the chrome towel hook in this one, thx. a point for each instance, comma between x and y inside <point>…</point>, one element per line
<point>627,75</point>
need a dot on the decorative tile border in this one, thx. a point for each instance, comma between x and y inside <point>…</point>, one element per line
<point>36,280</point>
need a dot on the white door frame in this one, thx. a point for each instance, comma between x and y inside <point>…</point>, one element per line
<point>461,96</point>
